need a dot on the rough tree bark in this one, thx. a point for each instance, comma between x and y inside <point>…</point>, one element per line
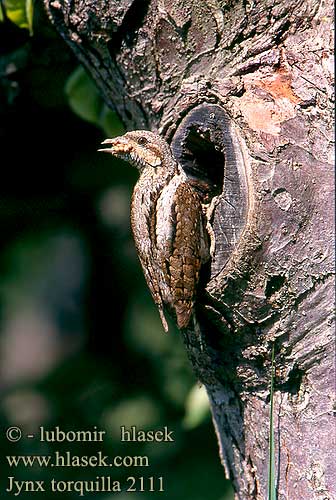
<point>242,90</point>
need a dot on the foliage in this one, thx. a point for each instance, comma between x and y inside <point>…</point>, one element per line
<point>20,12</point>
<point>85,101</point>
<point>197,407</point>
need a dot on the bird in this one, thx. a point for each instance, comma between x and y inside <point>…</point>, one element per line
<point>168,223</point>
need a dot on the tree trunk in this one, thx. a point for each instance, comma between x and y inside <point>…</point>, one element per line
<point>242,90</point>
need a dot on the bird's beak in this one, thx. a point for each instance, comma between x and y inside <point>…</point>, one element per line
<point>118,146</point>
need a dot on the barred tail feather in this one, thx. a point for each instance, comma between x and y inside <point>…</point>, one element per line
<point>183,312</point>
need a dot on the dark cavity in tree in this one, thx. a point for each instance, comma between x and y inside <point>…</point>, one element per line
<point>202,159</point>
<point>202,144</point>
<point>274,284</point>
<point>294,383</point>
<point>206,146</point>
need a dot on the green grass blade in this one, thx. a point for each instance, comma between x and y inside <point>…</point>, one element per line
<point>271,459</point>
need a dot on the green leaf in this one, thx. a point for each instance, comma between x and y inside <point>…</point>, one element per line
<point>197,407</point>
<point>2,17</point>
<point>110,123</point>
<point>84,100</point>
<point>83,97</point>
<point>20,12</point>
<point>30,14</point>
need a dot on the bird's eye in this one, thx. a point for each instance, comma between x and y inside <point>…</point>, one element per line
<point>142,141</point>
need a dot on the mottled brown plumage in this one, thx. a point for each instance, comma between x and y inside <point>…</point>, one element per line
<point>167,222</point>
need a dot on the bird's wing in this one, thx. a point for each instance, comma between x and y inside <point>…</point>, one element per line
<point>187,244</point>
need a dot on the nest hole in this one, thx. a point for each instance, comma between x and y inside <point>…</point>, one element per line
<point>203,161</point>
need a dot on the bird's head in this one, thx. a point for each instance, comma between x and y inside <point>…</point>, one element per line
<point>141,148</point>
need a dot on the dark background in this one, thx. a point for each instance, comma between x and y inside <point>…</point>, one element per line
<point>81,343</point>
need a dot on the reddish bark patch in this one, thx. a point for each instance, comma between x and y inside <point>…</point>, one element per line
<point>268,101</point>
<point>280,86</point>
